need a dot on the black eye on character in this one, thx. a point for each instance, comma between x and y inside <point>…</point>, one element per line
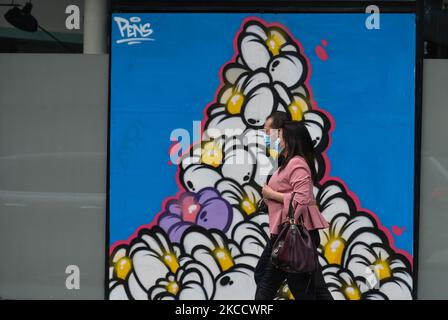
<point>190,185</point>
<point>226,281</point>
<point>274,65</point>
<point>203,215</point>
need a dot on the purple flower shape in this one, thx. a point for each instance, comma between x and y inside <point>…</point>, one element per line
<point>205,208</point>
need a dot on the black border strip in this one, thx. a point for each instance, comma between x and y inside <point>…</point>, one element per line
<point>419,52</point>
<point>282,6</point>
<point>260,6</point>
<point>107,236</point>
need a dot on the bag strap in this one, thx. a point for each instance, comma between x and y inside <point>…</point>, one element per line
<point>291,210</point>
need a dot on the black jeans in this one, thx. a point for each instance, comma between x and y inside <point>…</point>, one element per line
<point>303,286</point>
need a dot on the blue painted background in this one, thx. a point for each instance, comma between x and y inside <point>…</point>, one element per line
<point>366,85</point>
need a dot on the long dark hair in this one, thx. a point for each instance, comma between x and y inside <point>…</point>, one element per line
<point>298,143</point>
<point>279,119</point>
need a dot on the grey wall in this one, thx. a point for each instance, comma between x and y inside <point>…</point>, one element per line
<point>53,138</point>
<point>433,251</point>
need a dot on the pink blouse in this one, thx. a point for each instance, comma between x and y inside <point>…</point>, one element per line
<point>295,177</point>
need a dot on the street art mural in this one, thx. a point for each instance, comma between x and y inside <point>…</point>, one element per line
<point>190,229</point>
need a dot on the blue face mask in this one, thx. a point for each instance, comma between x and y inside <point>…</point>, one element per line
<point>267,141</point>
<point>277,146</point>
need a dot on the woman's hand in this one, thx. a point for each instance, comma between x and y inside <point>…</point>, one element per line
<point>270,194</point>
<point>267,192</point>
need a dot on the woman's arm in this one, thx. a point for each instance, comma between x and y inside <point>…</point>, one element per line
<point>270,194</point>
<point>299,177</point>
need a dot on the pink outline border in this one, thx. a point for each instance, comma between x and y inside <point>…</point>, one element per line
<point>326,177</point>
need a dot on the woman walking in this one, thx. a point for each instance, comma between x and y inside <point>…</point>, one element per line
<point>275,121</point>
<point>296,175</point>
